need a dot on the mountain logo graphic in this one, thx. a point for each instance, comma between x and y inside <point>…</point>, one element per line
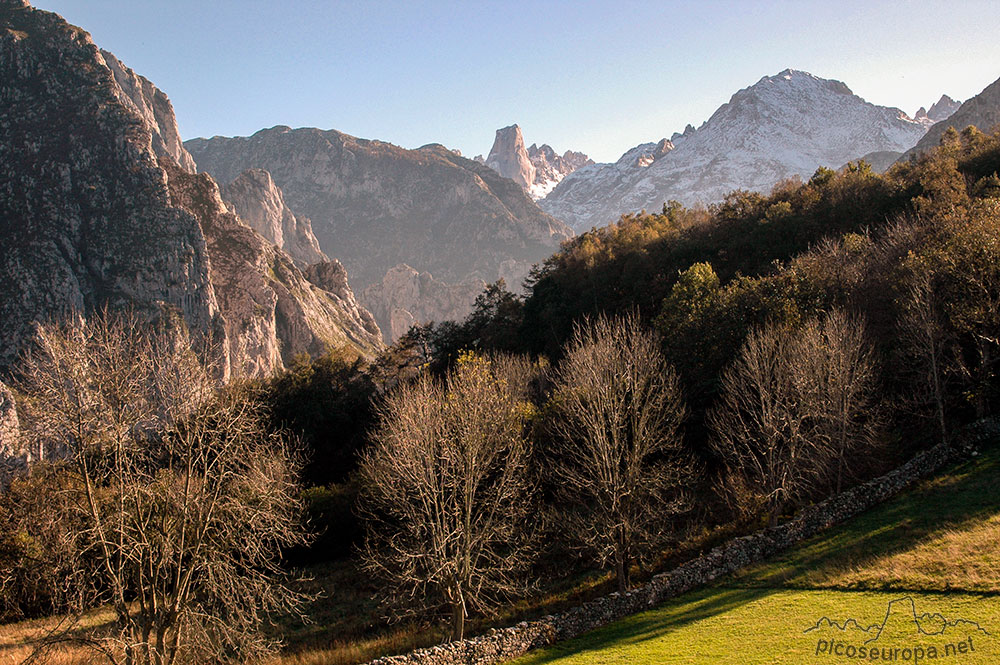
<point>926,623</point>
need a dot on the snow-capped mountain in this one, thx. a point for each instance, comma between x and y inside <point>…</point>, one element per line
<point>536,169</point>
<point>783,126</point>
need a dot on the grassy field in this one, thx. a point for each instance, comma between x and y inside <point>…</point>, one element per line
<point>938,544</point>
<point>925,566</point>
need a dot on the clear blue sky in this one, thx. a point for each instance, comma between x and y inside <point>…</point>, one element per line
<point>599,77</point>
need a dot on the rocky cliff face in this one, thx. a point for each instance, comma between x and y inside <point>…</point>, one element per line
<point>85,217</point>
<point>983,111</point>
<point>91,217</point>
<point>940,110</point>
<point>406,297</point>
<point>156,111</point>
<point>260,204</point>
<point>537,169</point>
<point>375,205</point>
<point>783,126</point>
<point>271,311</point>
<point>509,157</point>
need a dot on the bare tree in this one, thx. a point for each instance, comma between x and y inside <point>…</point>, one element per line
<point>186,502</point>
<point>447,494</point>
<point>797,409</point>
<point>926,339</point>
<point>617,456</point>
<point>758,424</point>
<point>836,380</point>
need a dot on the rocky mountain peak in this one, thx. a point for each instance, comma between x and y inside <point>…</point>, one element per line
<point>782,126</point>
<point>260,203</point>
<point>538,169</point>
<point>509,158</point>
<point>983,111</point>
<point>943,108</point>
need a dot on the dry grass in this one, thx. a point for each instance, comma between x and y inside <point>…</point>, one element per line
<point>965,559</point>
<point>18,641</point>
<point>940,537</point>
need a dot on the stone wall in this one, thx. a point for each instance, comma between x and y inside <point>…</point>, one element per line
<point>496,646</point>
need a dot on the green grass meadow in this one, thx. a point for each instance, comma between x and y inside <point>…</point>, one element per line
<point>937,545</point>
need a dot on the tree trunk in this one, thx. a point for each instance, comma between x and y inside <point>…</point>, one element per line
<point>458,619</point>
<point>621,562</point>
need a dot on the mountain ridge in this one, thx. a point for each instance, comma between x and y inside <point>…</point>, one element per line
<point>97,210</point>
<point>377,206</point>
<point>782,126</point>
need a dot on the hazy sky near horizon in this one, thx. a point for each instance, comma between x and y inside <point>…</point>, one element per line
<point>600,77</point>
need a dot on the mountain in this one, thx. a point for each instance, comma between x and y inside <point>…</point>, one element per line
<point>509,157</point>
<point>940,110</point>
<point>377,206</point>
<point>983,111</point>
<point>784,126</point>
<point>272,311</point>
<point>98,207</point>
<point>261,204</point>
<point>537,169</point>
<point>406,297</point>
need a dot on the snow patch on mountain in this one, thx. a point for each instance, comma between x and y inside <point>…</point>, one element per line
<point>536,169</point>
<point>783,126</point>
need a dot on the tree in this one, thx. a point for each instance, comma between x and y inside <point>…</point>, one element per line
<point>757,426</point>
<point>797,409</point>
<point>186,503</point>
<point>617,409</point>
<point>925,339</point>
<point>836,378</point>
<point>447,494</point>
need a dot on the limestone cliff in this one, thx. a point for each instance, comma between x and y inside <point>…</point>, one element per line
<point>85,218</point>
<point>156,111</point>
<point>97,209</point>
<point>406,297</point>
<point>272,312</point>
<point>260,203</point>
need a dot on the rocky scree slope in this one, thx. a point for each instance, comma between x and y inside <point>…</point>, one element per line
<point>377,206</point>
<point>89,217</point>
<point>783,126</point>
